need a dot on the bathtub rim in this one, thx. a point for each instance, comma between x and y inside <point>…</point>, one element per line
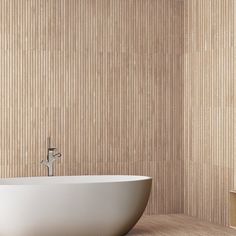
<point>72,179</point>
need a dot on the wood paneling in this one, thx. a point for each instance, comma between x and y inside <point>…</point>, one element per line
<point>209,108</point>
<point>104,79</point>
<point>123,87</point>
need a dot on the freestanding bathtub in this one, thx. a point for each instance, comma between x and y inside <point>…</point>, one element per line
<point>72,205</point>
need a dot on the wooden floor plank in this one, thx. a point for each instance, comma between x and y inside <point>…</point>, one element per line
<point>178,225</point>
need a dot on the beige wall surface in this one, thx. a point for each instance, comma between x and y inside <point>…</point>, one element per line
<point>209,107</point>
<point>104,79</point>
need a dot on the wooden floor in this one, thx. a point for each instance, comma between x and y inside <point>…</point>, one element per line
<point>178,225</point>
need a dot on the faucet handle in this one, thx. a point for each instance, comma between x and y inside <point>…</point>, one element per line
<point>57,155</point>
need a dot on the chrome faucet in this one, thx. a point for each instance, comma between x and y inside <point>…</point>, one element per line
<point>51,157</point>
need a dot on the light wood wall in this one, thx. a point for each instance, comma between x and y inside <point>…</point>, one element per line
<point>209,107</point>
<point>104,79</point>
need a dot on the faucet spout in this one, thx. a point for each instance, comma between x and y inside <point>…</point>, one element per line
<point>43,162</point>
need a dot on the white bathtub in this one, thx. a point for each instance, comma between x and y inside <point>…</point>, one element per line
<point>72,205</point>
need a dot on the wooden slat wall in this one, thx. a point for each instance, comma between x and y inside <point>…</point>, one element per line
<point>104,79</point>
<point>108,80</point>
<point>209,107</point>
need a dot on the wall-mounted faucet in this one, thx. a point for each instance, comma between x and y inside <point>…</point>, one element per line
<point>51,157</point>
